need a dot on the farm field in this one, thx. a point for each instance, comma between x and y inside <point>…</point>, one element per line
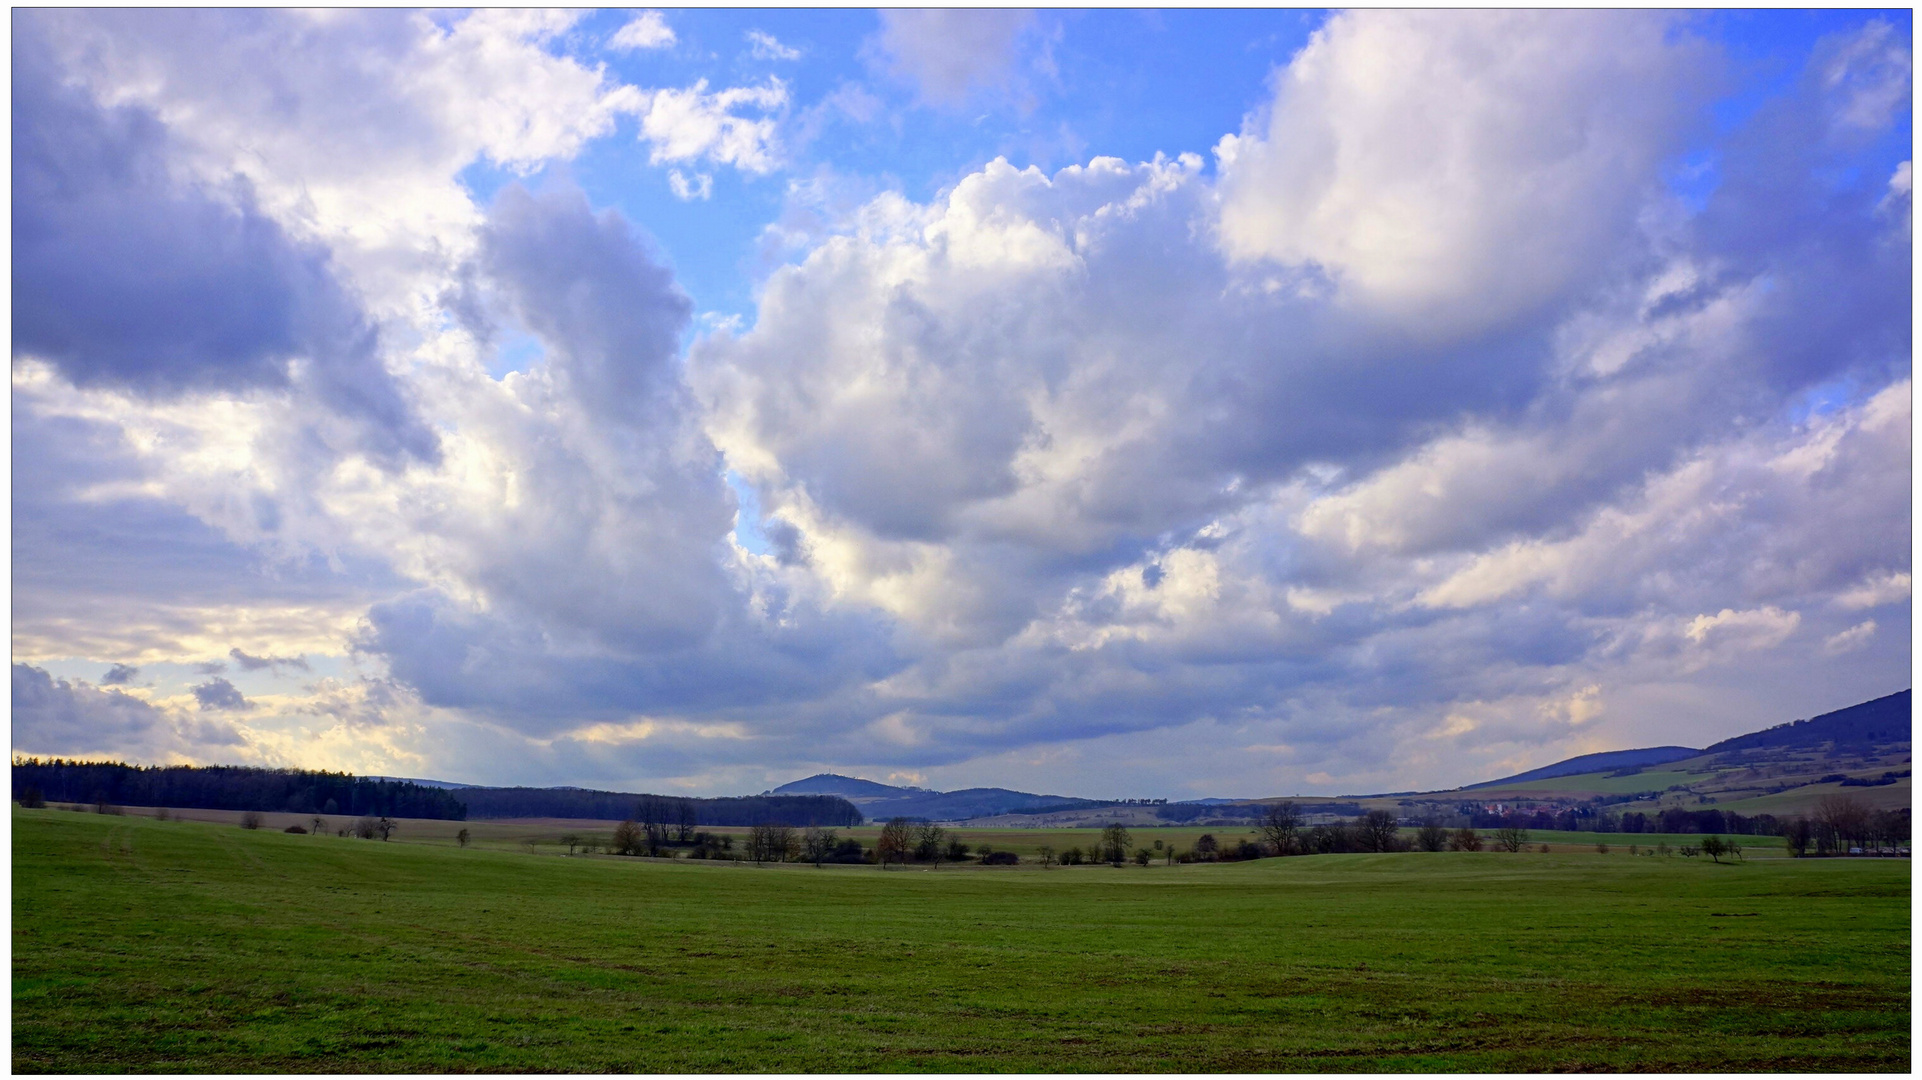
<point>151,946</point>
<point>547,835</point>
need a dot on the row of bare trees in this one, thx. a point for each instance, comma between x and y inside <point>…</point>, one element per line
<point>1844,824</point>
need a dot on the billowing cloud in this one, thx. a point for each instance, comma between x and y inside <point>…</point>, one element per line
<point>1404,444</point>
<point>648,30</point>
<point>694,124</point>
<point>58,717</point>
<point>1412,159</point>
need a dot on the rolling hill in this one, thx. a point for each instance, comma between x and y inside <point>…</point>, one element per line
<point>879,801</point>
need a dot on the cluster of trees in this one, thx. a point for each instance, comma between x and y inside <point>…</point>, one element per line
<point>1844,824</point>
<point>230,787</point>
<point>794,810</point>
<point>1675,819</point>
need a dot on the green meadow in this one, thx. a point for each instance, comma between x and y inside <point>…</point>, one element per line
<point>161,946</point>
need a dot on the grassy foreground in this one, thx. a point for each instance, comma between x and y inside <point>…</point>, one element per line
<point>152,946</point>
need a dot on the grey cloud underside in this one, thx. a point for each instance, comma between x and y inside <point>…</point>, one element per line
<point>120,576</point>
<point>55,716</point>
<point>128,273</point>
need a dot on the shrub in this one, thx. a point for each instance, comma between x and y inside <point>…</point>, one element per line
<point>1000,858</point>
<point>295,829</point>
<point>1601,849</point>
<point>251,820</point>
<point>31,799</point>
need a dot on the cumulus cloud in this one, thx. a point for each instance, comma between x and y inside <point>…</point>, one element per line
<point>219,695</point>
<point>1413,157</point>
<point>1410,443</point>
<point>120,675</point>
<point>692,124</point>
<point>648,30</point>
<point>125,275</point>
<point>61,717</point>
<point>699,186</point>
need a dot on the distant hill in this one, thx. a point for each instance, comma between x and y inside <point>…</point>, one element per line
<point>1594,763</point>
<point>1884,720</point>
<point>848,787</point>
<point>878,802</point>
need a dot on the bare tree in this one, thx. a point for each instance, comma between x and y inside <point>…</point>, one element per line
<point>1511,837</point>
<point>896,842</point>
<point>386,826</point>
<point>1714,848</point>
<point>366,828</point>
<point>463,836</point>
<point>250,820</point>
<point>817,844</point>
<point>1114,844</point>
<point>1378,830</point>
<point>770,843</point>
<point>572,841</point>
<point>1431,836</point>
<point>1845,817</point>
<point>928,840</point>
<point>318,823</point>
<point>1281,827</point>
<point>1047,856</point>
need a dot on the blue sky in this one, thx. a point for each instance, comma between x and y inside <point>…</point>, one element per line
<point>1119,403</point>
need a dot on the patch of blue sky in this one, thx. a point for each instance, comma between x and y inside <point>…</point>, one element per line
<point>517,351</point>
<point>1825,398</point>
<point>747,515</point>
<point>1080,84</point>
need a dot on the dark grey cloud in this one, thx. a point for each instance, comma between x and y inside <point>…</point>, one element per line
<point>128,274</point>
<point>57,716</point>
<point>219,695</point>
<point>249,662</point>
<point>120,675</point>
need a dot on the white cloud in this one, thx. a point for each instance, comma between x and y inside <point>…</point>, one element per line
<point>1851,639</point>
<point>692,124</point>
<point>700,186</point>
<point>767,47</point>
<point>1882,587</point>
<point>648,30</point>
<point>1417,157</point>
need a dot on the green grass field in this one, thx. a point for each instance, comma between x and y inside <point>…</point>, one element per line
<point>153,946</point>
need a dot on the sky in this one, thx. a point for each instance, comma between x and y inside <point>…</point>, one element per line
<point>1104,403</point>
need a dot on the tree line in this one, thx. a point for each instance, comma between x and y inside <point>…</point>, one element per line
<point>228,787</point>
<point>746,810</point>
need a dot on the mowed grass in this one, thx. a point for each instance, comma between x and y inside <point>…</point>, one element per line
<point>183,946</point>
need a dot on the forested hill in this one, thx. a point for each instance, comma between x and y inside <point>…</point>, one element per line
<point>1884,720</point>
<point>230,787</point>
<point>797,810</point>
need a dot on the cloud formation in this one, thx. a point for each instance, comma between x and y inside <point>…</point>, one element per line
<point>1396,446</point>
